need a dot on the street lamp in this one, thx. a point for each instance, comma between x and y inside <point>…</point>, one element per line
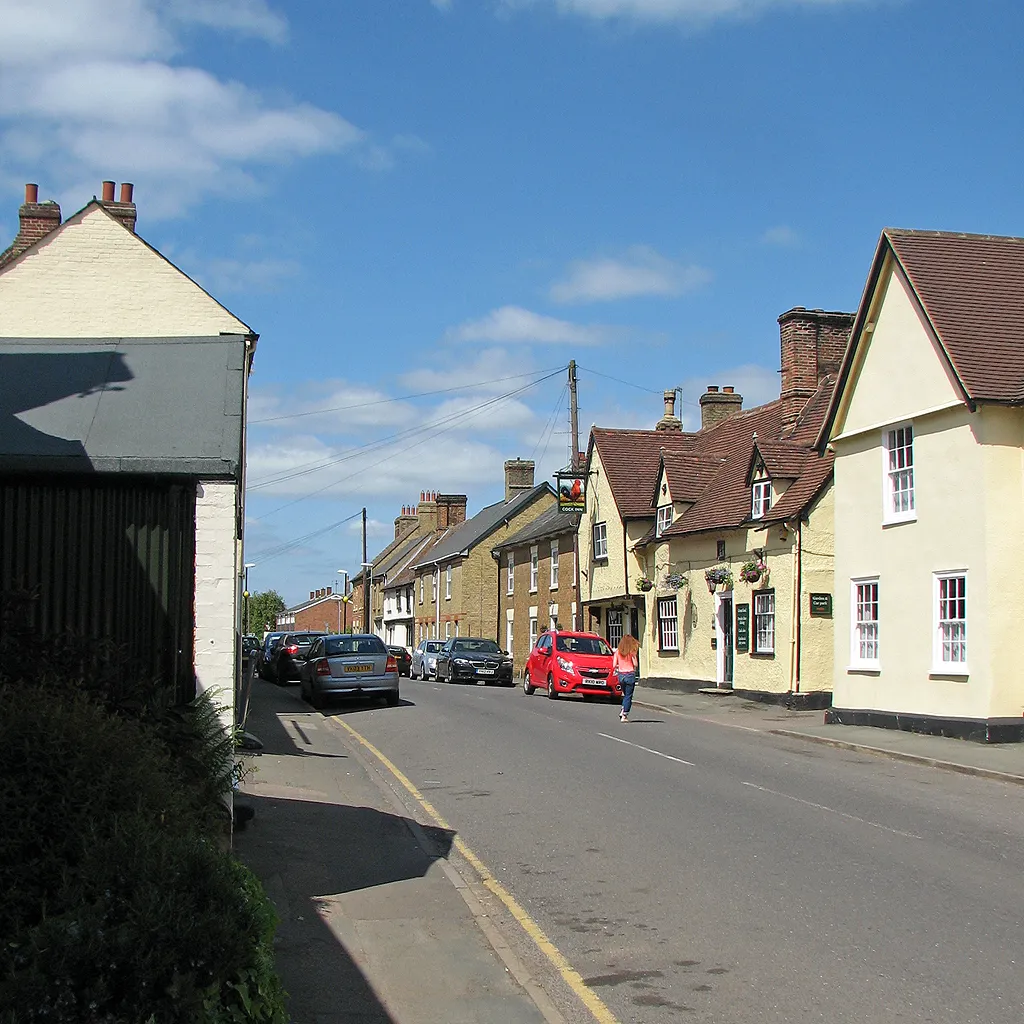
<point>245,593</point>
<point>343,609</point>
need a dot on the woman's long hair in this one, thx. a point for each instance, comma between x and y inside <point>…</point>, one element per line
<point>628,646</point>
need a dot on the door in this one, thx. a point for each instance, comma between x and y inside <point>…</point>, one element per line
<point>724,634</point>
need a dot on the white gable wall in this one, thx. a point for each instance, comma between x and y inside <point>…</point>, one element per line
<point>93,278</point>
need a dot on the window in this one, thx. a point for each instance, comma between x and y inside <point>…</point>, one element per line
<point>448,583</point>
<point>554,565</point>
<point>664,519</point>
<point>533,631</point>
<point>456,627</point>
<point>899,474</point>
<point>510,586</point>
<point>761,499</point>
<point>509,633</point>
<point>600,541</point>
<point>764,622</point>
<point>614,628</point>
<point>864,628</point>
<point>950,656</point>
<point>447,631</point>
<point>433,584</point>
<point>421,590</point>
<point>668,624</point>
<point>720,550</point>
<point>533,569</point>
<point>552,616</point>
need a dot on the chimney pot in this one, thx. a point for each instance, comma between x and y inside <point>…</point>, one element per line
<point>126,191</point>
<point>670,421</point>
<point>108,191</point>
<point>31,193</point>
<point>713,389</point>
<point>728,391</point>
<point>311,595</point>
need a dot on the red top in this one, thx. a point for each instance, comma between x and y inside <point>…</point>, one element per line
<point>620,663</point>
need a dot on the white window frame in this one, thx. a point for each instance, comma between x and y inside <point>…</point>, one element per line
<point>533,568</point>
<point>950,633</point>
<point>664,519</point>
<point>764,622</point>
<point>510,584</point>
<point>552,615</point>
<point>760,498</point>
<point>534,632</point>
<point>447,629</point>
<point>433,584</point>
<point>865,632</point>
<point>554,565</point>
<point>509,633</point>
<point>668,624</point>
<point>899,504</point>
<point>599,535</point>
<point>456,627</point>
<point>421,590</point>
<point>448,583</point>
<point>615,627</point>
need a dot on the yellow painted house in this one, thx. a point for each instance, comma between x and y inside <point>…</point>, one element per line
<point>718,543</point>
<point>927,427</point>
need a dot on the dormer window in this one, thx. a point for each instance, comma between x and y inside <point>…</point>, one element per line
<point>761,499</point>
<point>664,519</point>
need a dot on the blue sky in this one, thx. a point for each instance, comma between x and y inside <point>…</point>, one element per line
<point>405,197</point>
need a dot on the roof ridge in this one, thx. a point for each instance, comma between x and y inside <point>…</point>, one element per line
<point>934,233</point>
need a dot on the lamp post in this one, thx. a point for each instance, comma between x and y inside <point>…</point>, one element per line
<point>245,593</point>
<point>343,604</point>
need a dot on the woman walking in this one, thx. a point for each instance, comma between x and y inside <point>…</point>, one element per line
<point>626,665</point>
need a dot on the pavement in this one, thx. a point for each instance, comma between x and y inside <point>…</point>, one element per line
<point>381,922</point>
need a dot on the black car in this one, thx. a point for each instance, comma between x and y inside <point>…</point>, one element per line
<point>470,659</point>
<point>289,655</point>
<point>402,657</point>
<point>263,663</point>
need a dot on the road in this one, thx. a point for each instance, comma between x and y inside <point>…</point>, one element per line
<point>697,872</point>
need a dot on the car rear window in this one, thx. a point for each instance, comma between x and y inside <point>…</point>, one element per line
<point>337,645</point>
<point>582,645</point>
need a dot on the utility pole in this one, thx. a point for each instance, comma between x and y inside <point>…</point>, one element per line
<point>574,440</point>
<point>367,569</point>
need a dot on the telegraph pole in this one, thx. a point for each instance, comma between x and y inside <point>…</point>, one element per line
<point>366,581</point>
<point>574,440</point>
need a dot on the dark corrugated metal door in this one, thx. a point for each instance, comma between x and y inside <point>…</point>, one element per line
<point>112,559</point>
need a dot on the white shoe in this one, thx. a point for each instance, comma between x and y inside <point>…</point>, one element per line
<point>623,717</point>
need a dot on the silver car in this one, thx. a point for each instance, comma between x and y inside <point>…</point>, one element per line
<point>349,666</point>
<point>424,659</point>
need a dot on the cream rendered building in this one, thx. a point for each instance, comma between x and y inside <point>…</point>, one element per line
<point>89,288</point>
<point>927,427</point>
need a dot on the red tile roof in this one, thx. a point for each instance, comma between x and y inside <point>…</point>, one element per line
<point>631,460</point>
<point>688,474</point>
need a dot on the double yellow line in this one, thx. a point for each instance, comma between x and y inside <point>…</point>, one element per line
<point>567,972</point>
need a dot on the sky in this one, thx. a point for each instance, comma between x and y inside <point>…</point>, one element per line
<point>427,208</point>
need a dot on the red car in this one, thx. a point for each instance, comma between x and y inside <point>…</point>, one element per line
<point>579,663</point>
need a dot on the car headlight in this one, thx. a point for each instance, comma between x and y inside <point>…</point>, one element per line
<point>567,666</point>
<point>461,662</point>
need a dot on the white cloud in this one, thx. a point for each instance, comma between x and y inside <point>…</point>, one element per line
<point>515,325</point>
<point>227,275</point>
<point>643,271</point>
<point>693,11</point>
<point>91,85</point>
<point>781,235</point>
<point>492,371</point>
<point>329,406</point>
<point>374,528</point>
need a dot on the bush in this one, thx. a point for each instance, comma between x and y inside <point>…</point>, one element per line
<point>116,902</point>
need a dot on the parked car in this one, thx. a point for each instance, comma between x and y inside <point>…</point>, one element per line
<point>424,659</point>
<point>263,665</point>
<point>250,645</point>
<point>402,657</point>
<point>473,660</point>
<point>571,663</point>
<point>348,665</point>
<point>289,655</point>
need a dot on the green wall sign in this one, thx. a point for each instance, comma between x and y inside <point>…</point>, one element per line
<point>821,605</point>
<point>743,627</point>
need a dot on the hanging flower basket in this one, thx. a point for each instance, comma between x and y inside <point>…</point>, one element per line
<point>716,576</point>
<point>675,580</point>
<point>644,584</point>
<point>751,572</point>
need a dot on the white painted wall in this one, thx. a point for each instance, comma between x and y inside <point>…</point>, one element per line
<point>93,278</point>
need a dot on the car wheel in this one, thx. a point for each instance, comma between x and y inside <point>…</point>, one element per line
<point>528,687</point>
<point>392,697</point>
<point>552,692</point>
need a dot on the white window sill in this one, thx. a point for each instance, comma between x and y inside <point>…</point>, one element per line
<point>533,590</point>
<point>956,670</point>
<point>899,520</point>
<point>866,668</point>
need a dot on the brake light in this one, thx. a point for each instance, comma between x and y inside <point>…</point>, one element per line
<point>323,668</point>
<point>392,665</point>
<point>292,649</point>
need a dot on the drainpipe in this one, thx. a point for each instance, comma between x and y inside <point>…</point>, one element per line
<point>795,604</point>
<point>437,603</point>
<point>799,595</point>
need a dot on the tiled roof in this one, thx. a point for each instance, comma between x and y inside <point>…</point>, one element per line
<point>783,459</point>
<point>401,574</point>
<point>817,472</point>
<point>550,523</point>
<point>688,474</point>
<point>631,460</point>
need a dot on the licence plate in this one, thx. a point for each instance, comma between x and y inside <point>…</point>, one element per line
<point>358,668</point>
<point>485,671</point>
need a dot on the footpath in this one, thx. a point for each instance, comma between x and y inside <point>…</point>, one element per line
<point>377,927</point>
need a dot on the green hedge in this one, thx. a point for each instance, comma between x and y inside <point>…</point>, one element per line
<point>118,902</point>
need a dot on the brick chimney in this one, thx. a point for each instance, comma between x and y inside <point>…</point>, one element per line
<point>451,510</point>
<point>124,208</point>
<point>406,522</point>
<point>813,342</point>
<point>518,477</point>
<point>716,406</point>
<point>426,512</point>
<point>670,421</point>
<point>35,220</point>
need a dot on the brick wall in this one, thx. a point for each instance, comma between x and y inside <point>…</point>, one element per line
<point>812,345</point>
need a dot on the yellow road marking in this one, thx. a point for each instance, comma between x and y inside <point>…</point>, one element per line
<point>568,973</point>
